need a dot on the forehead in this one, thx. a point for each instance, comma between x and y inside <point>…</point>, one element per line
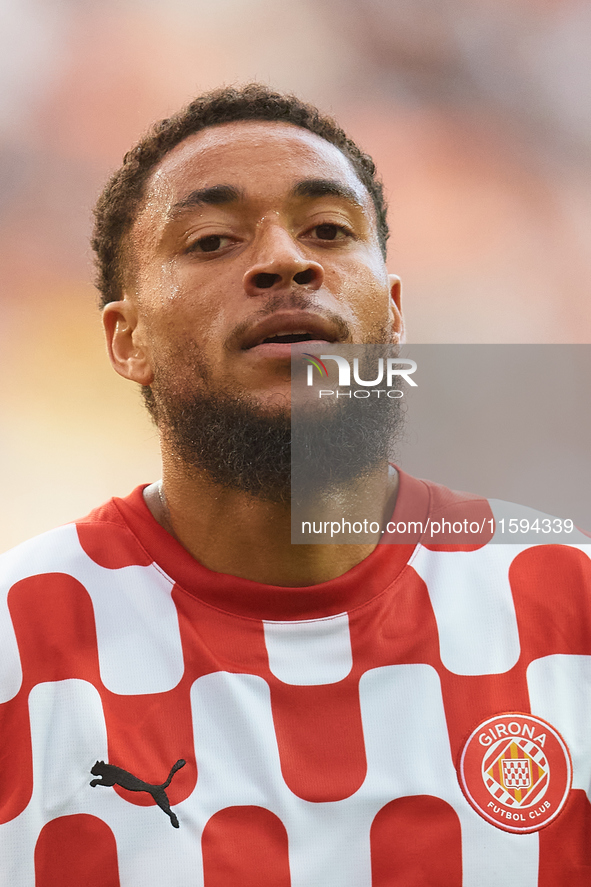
<point>263,158</point>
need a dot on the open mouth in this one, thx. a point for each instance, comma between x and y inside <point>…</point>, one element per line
<point>275,332</point>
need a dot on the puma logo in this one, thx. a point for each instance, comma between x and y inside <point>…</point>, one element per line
<point>111,775</point>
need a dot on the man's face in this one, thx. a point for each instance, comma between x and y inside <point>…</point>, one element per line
<point>254,236</point>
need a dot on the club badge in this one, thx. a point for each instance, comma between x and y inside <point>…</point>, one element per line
<point>516,772</point>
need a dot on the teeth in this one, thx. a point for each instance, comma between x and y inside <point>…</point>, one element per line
<point>288,337</point>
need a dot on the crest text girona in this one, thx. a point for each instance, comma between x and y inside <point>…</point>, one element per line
<point>513,728</point>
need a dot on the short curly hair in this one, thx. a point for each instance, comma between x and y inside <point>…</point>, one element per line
<point>117,207</point>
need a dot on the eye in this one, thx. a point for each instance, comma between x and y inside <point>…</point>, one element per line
<point>331,231</point>
<point>210,244</point>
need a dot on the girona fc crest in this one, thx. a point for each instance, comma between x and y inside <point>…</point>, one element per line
<point>516,772</point>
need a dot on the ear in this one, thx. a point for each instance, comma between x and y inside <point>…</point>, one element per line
<point>396,309</point>
<point>127,350</point>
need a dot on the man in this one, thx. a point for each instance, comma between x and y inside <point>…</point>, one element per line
<point>188,698</point>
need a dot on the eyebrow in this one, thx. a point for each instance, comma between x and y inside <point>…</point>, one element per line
<point>217,195</point>
<point>326,188</point>
<point>213,196</point>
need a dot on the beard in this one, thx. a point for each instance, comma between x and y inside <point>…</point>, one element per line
<point>279,455</point>
<point>224,438</point>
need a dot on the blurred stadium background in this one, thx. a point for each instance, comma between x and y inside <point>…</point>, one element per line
<point>478,113</point>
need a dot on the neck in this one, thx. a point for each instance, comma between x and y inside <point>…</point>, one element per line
<point>231,532</point>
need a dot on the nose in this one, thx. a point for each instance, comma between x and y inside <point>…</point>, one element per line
<point>279,264</point>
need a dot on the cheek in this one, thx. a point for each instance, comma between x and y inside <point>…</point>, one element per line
<point>160,285</point>
<point>367,295</point>
<point>187,342</point>
<point>179,307</point>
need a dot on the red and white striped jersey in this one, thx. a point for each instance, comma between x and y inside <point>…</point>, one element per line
<point>422,721</point>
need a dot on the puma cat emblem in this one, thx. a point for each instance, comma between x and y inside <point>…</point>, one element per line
<point>111,775</point>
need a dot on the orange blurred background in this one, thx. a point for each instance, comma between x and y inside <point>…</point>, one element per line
<point>478,114</point>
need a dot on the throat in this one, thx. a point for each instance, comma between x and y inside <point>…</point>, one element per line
<point>231,533</point>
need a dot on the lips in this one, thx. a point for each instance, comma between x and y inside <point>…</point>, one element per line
<point>287,329</point>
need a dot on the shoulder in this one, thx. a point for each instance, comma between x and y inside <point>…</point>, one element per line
<point>103,539</point>
<point>484,557</point>
<point>48,553</point>
<point>460,519</point>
